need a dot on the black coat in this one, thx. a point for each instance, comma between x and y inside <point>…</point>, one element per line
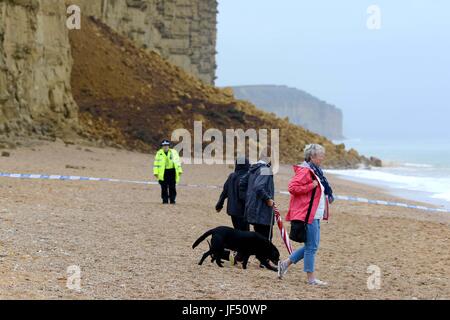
<point>256,189</point>
<point>235,205</point>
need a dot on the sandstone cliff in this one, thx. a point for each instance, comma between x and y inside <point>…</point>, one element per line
<point>182,31</point>
<point>36,61</point>
<point>35,66</point>
<point>300,107</point>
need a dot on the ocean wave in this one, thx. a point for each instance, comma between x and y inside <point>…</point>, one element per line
<point>438,186</point>
<point>444,196</point>
<point>417,165</point>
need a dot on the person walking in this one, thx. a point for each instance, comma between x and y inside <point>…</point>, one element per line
<point>258,190</point>
<point>311,195</point>
<point>167,170</point>
<point>235,205</point>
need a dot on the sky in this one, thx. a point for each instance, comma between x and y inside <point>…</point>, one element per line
<point>392,82</point>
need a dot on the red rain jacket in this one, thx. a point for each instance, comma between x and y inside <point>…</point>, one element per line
<point>301,189</point>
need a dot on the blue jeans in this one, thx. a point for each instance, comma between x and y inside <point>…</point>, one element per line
<point>308,252</point>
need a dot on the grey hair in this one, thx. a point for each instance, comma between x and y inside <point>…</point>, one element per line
<point>312,150</point>
<point>265,155</point>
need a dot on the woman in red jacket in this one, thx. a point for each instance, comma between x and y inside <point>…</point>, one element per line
<point>308,188</point>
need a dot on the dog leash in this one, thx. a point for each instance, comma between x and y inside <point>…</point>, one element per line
<point>271,224</point>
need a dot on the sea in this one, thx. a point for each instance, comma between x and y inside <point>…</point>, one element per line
<point>412,169</point>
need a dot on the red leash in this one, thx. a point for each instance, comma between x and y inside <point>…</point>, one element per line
<point>284,234</point>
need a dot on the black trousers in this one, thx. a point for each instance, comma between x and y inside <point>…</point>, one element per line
<point>169,186</point>
<point>265,231</point>
<point>240,223</point>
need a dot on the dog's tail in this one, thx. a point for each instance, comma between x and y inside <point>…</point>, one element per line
<point>203,237</point>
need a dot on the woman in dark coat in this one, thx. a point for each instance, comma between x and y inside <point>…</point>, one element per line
<point>257,190</point>
<point>235,205</point>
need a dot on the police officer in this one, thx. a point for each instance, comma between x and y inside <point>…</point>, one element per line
<point>167,170</point>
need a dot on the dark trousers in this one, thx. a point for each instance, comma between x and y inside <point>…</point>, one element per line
<point>265,231</point>
<point>169,186</point>
<point>240,223</point>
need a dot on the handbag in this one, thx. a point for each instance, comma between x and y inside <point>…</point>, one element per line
<point>298,227</point>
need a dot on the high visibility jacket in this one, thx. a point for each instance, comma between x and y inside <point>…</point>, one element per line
<point>164,161</point>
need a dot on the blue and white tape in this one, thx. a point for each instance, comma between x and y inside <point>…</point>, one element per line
<point>206,186</point>
<point>71,178</point>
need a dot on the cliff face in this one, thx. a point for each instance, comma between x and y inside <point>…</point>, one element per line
<point>302,108</point>
<point>182,31</point>
<point>35,66</point>
<point>126,95</point>
<point>36,61</point>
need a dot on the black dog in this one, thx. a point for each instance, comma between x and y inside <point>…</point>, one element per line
<point>225,254</point>
<point>245,242</point>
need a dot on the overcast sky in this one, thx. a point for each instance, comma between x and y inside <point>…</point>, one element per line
<point>394,81</point>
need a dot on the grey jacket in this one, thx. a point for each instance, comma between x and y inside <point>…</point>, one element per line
<point>256,188</point>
